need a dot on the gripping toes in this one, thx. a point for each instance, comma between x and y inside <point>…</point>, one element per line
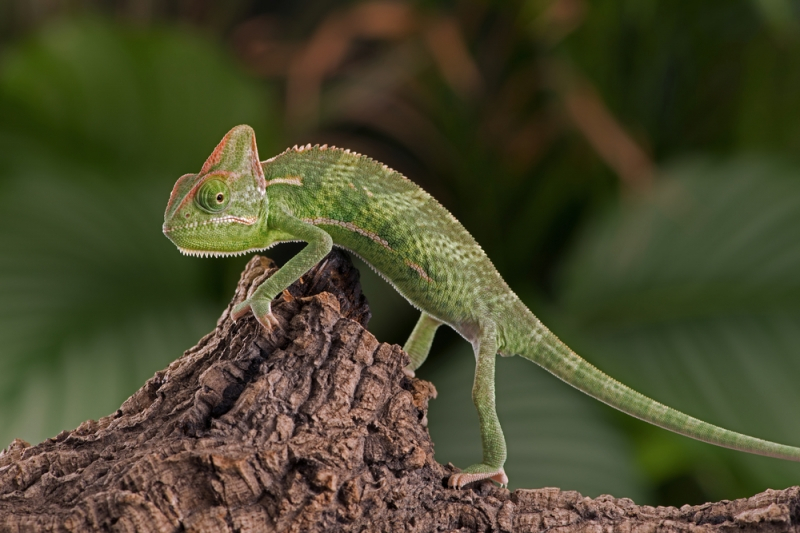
<point>477,473</point>
<point>261,310</point>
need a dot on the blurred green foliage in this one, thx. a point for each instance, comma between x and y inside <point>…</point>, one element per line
<point>686,289</point>
<point>96,122</point>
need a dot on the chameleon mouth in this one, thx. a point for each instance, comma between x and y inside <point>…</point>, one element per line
<point>247,221</point>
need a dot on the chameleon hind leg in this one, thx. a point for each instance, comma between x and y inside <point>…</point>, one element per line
<point>419,342</point>
<point>494,444</point>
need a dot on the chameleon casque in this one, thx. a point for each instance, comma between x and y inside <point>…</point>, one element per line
<point>328,197</point>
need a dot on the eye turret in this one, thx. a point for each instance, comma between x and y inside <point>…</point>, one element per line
<point>213,196</point>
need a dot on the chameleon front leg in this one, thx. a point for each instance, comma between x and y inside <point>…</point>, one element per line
<point>494,444</point>
<point>419,342</point>
<point>319,245</point>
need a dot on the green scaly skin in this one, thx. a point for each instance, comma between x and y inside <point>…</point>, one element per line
<point>327,196</point>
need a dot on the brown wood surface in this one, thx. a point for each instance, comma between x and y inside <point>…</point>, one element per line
<point>311,428</point>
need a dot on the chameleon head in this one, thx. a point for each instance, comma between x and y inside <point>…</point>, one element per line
<point>220,210</point>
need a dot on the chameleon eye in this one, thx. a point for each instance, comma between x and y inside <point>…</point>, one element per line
<point>212,196</point>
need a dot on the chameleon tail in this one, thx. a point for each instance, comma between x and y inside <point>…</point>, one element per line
<point>546,350</point>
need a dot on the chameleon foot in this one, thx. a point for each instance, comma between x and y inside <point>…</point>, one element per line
<point>477,473</point>
<point>263,313</point>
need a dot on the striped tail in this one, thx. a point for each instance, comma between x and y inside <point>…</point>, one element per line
<point>556,357</point>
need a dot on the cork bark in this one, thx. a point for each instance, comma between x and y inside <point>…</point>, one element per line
<point>312,427</point>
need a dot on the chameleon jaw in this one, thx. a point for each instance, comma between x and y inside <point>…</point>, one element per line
<point>247,221</point>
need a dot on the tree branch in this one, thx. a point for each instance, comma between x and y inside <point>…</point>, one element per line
<point>313,427</point>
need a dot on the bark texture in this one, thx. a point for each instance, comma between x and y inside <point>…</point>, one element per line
<point>313,427</point>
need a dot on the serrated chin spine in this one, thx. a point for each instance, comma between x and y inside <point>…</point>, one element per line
<point>209,253</point>
<point>198,253</point>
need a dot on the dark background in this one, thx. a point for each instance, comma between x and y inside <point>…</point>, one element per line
<point>630,166</point>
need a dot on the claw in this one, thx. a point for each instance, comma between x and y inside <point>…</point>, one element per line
<point>409,373</point>
<point>268,321</point>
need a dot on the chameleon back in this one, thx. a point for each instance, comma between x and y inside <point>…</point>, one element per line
<point>395,226</point>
